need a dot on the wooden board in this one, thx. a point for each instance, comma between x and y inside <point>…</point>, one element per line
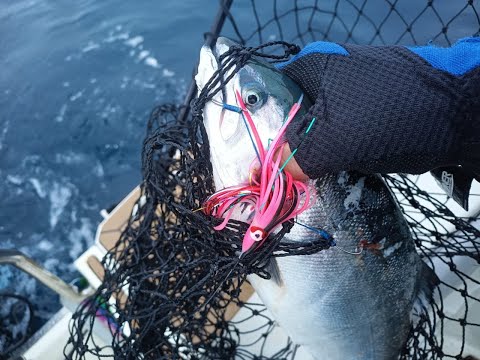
<point>108,233</point>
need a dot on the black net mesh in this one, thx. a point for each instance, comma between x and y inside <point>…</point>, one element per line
<point>16,315</point>
<point>376,22</point>
<point>172,283</point>
<point>450,245</point>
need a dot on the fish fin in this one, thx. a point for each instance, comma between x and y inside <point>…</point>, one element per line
<point>223,44</point>
<point>274,272</point>
<point>427,282</point>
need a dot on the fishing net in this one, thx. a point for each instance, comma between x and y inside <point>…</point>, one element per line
<point>173,285</point>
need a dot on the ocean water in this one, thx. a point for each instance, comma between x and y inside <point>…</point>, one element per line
<point>77,82</point>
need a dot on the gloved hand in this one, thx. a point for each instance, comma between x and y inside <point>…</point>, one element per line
<point>384,109</point>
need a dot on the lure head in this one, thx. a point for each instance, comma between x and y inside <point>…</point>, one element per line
<point>267,94</point>
<point>254,236</point>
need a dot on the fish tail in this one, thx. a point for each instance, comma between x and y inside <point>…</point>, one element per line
<point>427,282</point>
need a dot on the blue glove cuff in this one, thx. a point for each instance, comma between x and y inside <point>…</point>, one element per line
<point>457,60</point>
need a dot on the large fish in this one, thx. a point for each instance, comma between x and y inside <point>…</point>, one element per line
<point>355,300</point>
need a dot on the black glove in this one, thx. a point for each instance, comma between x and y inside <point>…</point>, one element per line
<point>384,109</point>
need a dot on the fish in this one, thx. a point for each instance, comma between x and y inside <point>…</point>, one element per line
<point>356,300</point>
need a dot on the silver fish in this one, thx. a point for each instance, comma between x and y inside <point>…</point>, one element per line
<point>355,300</point>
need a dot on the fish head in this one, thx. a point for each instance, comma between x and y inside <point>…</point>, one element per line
<point>268,95</point>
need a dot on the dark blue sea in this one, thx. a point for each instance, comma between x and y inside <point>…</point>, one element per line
<point>77,82</point>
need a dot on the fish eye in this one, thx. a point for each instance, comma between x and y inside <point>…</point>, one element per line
<point>254,97</point>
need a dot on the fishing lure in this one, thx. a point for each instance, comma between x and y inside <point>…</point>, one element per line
<point>272,195</point>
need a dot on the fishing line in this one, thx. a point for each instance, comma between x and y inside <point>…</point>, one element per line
<point>251,138</point>
<point>325,235</point>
